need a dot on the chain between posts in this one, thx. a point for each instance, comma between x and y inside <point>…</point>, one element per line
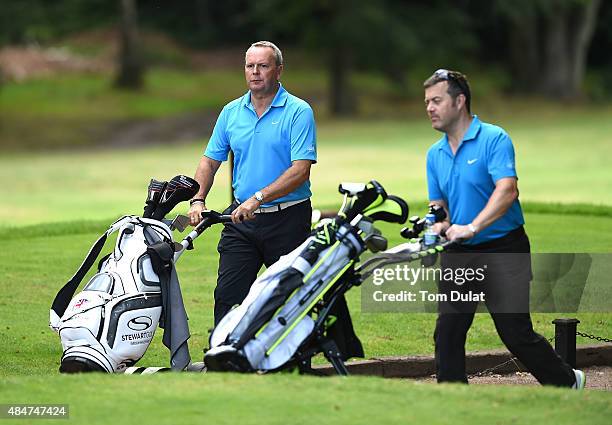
<point>514,359</point>
<point>494,368</point>
<point>597,338</point>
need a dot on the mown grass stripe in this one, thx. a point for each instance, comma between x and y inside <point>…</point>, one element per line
<point>529,207</point>
<point>97,226</point>
<point>592,210</point>
<point>79,227</point>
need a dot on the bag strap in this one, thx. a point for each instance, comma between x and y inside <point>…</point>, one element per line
<point>65,294</point>
<point>173,319</point>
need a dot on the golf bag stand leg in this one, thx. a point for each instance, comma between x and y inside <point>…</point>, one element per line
<point>305,366</point>
<point>333,355</point>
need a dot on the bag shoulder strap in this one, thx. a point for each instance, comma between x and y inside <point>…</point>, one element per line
<point>65,294</point>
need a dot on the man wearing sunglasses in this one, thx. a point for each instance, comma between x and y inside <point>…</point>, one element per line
<point>471,174</point>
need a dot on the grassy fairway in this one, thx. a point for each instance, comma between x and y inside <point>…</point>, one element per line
<point>279,399</point>
<point>553,164</point>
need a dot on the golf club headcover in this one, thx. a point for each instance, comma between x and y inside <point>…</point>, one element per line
<point>323,237</point>
<point>374,193</point>
<point>180,188</point>
<point>153,196</point>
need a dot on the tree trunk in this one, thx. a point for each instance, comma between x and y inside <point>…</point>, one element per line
<point>339,42</point>
<point>549,42</point>
<point>581,43</point>
<point>341,97</point>
<point>205,25</point>
<point>131,69</point>
<point>556,55</point>
<point>569,31</point>
<point>524,46</point>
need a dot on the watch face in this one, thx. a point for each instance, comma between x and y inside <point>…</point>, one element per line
<point>259,196</point>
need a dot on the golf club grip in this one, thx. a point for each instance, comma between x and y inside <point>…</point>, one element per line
<point>225,218</point>
<point>447,244</point>
<point>210,218</point>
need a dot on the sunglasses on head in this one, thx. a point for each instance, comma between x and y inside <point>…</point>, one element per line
<point>446,75</point>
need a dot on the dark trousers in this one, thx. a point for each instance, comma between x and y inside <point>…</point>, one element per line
<point>506,288</point>
<point>245,247</point>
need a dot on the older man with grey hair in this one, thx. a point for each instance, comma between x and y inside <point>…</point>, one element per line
<point>272,136</point>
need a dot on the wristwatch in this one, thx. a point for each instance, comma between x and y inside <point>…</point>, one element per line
<point>259,196</point>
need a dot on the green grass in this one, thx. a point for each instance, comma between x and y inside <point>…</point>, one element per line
<point>80,110</point>
<point>83,110</point>
<point>554,165</point>
<point>230,399</point>
<point>75,110</point>
<point>92,96</point>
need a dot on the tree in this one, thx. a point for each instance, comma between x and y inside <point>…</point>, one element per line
<point>385,36</point>
<point>131,68</point>
<point>549,42</point>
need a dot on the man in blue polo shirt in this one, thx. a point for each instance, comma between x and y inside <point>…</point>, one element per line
<point>272,136</point>
<point>471,173</point>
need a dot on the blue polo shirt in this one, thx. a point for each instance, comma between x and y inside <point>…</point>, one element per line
<point>264,147</point>
<point>466,180</point>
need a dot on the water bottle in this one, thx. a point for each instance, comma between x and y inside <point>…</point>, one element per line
<point>429,236</point>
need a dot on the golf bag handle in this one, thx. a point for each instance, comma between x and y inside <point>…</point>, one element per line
<point>366,269</point>
<point>209,218</point>
<point>372,194</point>
<point>419,223</point>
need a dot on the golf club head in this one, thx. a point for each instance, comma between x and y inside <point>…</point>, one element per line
<point>179,223</point>
<point>376,243</point>
<point>180,188</point>
<point>153,196</point>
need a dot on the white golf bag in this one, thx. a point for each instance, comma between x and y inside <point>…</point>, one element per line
<point>109,325</point>
<point>291,308</point>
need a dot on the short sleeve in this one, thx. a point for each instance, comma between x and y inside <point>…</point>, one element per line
<point>433,185</point>
<point>303,135</point>
<point>218,146</point>
<point>501,161</point>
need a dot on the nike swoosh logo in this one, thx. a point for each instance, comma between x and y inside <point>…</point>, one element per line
<point>275,122</point>
<point>471,161</point>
